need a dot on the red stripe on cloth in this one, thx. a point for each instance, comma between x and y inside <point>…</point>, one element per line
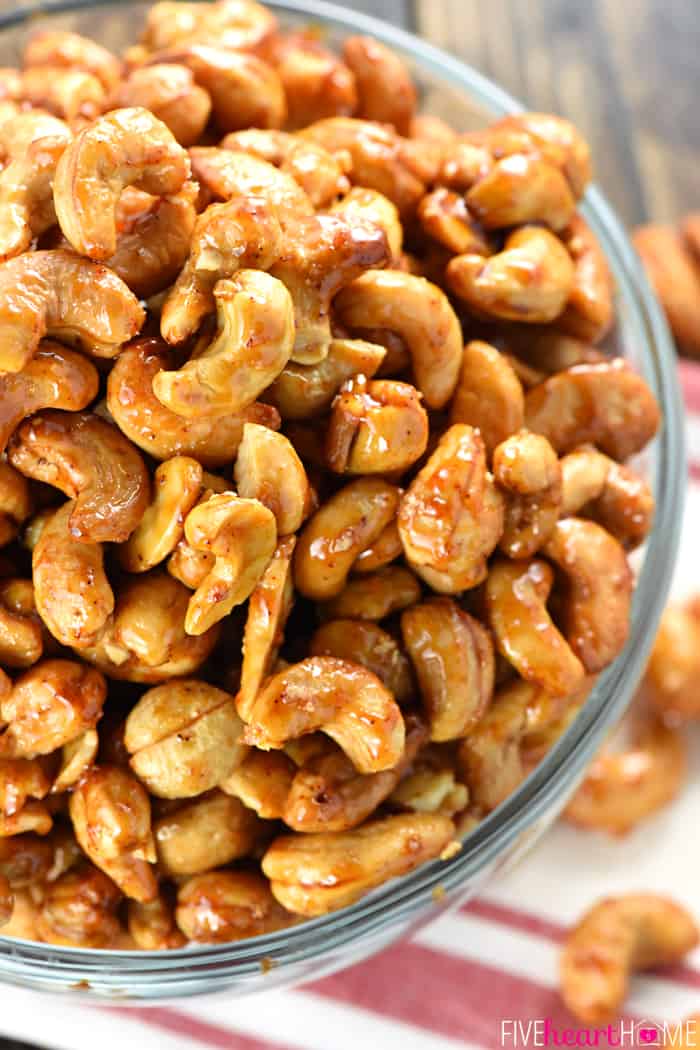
<point>694,470</point>
<point>199,1031</point>
<point>689,374</point>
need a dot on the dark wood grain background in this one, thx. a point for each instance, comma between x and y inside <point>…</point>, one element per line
<point>626,71</point>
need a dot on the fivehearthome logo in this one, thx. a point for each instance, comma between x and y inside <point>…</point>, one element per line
<point>544,1032</point>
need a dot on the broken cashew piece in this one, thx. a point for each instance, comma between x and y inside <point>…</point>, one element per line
<point>489,395</point>
<point>376,427</point>
<point>527,469</point>
<point>177,485</point>
<point>268,469</point>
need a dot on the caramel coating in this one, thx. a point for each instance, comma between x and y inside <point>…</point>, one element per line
<point>589,312</point>
<point>262,782</point>
<point>268,469</point>
<point>78,909</point>
<point>206,834</point>
<point>319,173</point>
<point>223,906</point>
<point>526,468</point>
<point>152,925</point>
<point>519,189</point>
<point>316,82</point>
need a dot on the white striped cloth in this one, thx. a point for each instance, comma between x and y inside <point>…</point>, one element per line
<point>455,984</point>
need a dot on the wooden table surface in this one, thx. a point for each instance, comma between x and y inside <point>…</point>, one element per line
<point>626,71</point>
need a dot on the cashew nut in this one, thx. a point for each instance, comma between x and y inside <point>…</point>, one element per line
<point>170,93</point>
<point>15,502</point>
<point>222,906</point>
<point>306,391</point>
<point>385,91</point>
<point>381,552</point>
<point>522,188</point>
<point>26,194</point>
<point>57,48</point>
<point>366,643</point>
<point>445,217</point>
<point>590,309</point>
<point>72,94</point>
<point>376,595</point>
<point>77,757</point>
<point>268,469</point>
<point>555,138</point>
<point>177,487</point>
<point>262,782</point>
<point>230,173</point>
<point>240,25</point>
<point>613,495</point>
<point>21,640</point>
<point>22,779</point>
<point>207,833</point>
<point>376,427</point>
<point>316,82</point>
<point>489,395</point>
<point>528,471</point>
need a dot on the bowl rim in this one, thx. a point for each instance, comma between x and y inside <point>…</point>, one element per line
<point>565,761</point>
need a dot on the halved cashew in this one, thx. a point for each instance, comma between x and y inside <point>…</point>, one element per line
<point>376,427</point>
<point>489,757</point>
<point>605,404</point>
<point>489,395</point>
<point>227,238</point>
<point>15,502</point>
<point>92,463</point>
<point>596,611</point>
<point>59,48</point>
<point>376,595</point>
<point>595,486</point>
<point>71,589</point>
<point>222,906</point>
<point>152,924</point>
<point>78,909</point>
<point>184,738</point>
<point>26,194</point>
<point>317,83</point>
<point>530,280</point>
<point>59,293</point>
<point>527,469</point>
<point>589,312</point>
<point>51,704</point>
<point>205,834</point>
<point>306,391</point>
<point>241,25</point>
<point>421,314</point>
<point>432,785</point>
<point>340,530</point>
<point>319,173</point>
<point>244,90</point>
<point>385,91</point>
<point>631,777</point>
<point>170,93</point>
<point>364,205</point>
<point>453,657</point>
<point>364,642</point>
<point>72,94</point>
<point>241,534</point>
<point>127,147</point>
<point>21,636</point>
<point>155,429</point>
<point>343,699</point>
<point>381,552</point>
<point>451,516</point>
<point>268,610</point>
<point>615,938</point>
<point>445,217</point>
<point>253,344</point>
<point>54,378</point>
<point>673,671</point>
<point>519,189</point>
<point>516,609</point>
<point>145,640</point>
<point>177,485</point>
<point>268,469</point>
<point>315,874</point>
<point>230,173</point>
<point>77,757</point>
<point>111,815</point>
<point>262,782</point>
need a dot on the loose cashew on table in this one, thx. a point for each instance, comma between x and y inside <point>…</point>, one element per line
<point>314,502</point>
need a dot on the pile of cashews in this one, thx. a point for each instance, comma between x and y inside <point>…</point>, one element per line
<point>314,503</point>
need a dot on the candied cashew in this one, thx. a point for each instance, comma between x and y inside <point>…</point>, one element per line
<point>26,194</point>
<point>78,909</point>
<point>385,91</point>
<point>306,391</point>
<point>451,516</point>
<point>72,593</point>
<point>673,671</point>
<point>268,469</point>
<point>319,173</point>
<point>222,906</point>
<point>589,313</point>
<point>15,502</point>
<point>314,874</point>
<point>72,94</point>
<point>127,147</point>
<point>376,595</point>
<point>92,463</point>
<point>445,217</point>
<point>262,782</point>
<point>615,938</point>
<point>25,860</point>
<point>530,280</point>
<point>554,137</point>
<point>366,643</point>
<point>519,189</point>
<point>21,779</point>
<point>177,485</point>
<point>152,924</point>
<point>61,294</point>
<point>58,48</point>
<point>241,25</point>
<point>207,833</point>
<point>453,658</point>
<point>596,610</point>
<point>21,636</point>
<point>184,738</point>
<point>230,173</point>
<point>489,395</point>
<point>595,486</point>
<point>527,469</point>
<point>674,275</point>
<point>344,700</point>
<point>77,756</point>
<point>316,82</point>
<point>155,429</point>
<point>376,427</point>
<point>421,314</point>
<point>605,404</point>
<point>169,91</point>
<point>432,786</point>
<point>338,532</point>
<point>381,552</point>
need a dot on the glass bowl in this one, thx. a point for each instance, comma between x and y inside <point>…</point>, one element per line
<point>321,946</point>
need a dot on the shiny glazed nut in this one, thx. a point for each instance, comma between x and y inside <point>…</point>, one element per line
<point>363,205</point>
<point>673,671</point>
<point>431,787</point>
<point>58,293</point>
<point>262,782</point>
<point>556,138</point>
<point>445,217</point>
<point>18,132</point>
<point>376,427</point>
<point>305,391</point>
<point>128,147</point>
<point>50,705</point>
<point>205,834</point>
<point>54,378</point>
<point>78,909</point>
<point>316,82</point>
<point>674,275</point>
<point>315,874</point>
<point>368,644</point>
<point>269,607</point>
<point>157,430</point>
<point>15,502</point>
<point>77,757</point>
<point>58,48</point>
<point>21,641</point>
<point>338,532</point>
<point>516,609</point>
<point>451,516</point>
<point>223,906</point>
<point>72,593</point>
<point>242,25</point>
<point>25,860</point>
<point>617,937</point>
<point>595,486</point>
<point>32,818</point>
<point>268,469</point>
<point>184,738</point>
<point>530,280</point>
<point>22,779</point>
<point>26,194</point>
<point>93,464</point>
<point>72,94</point>
<point>241,534</point>
<point>590,310</point>
<point>375,595</point>
<point>605,404</point>
<point>230,173</point>
<point>519,189</point>
<point>596,612</point>
<point>526,468</point>
<point>453,657</point>
<point>489,395</point>
<point>253,344</point>
<point>170,93</point>
<point>385,549</point>
<point>344,700</point>
<point>177,485</point>
<point>421,314</point>
<point>385,91</point>
<point>152,925</point>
